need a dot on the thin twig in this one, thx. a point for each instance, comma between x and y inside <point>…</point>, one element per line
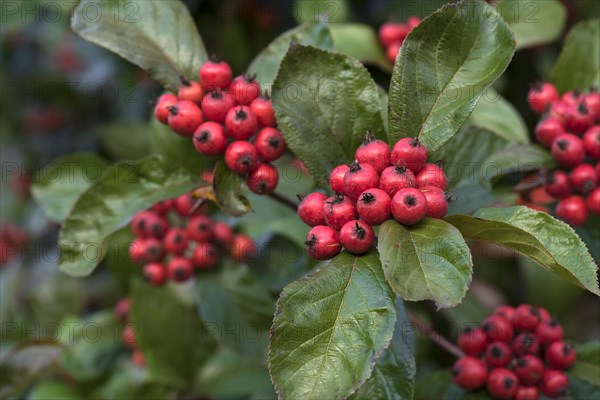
<point>435,336</point>
<point>284,200</point>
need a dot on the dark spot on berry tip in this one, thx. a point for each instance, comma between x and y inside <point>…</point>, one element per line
<point>508,383</point>
<point>496,352</point>
<point>241,114</point>
<point>410,200</point>
<point>522,362</point>
<point>368,198</point>
<point>180,273</point>
<point>274,142</point>
<point>562,144</point>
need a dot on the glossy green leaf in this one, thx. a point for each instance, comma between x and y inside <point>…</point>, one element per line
<point>427,261</point>
<point>587,367</point>
<point>320,10</point>
<point>137,31</point>
<point>590,234</point>
<point>578,66</point>
<point>533,22</point>
<point>325,103</point>
<point>170,335</point>
<point>329,329</point>
<point>394,374</point>
<point>359,41</point>
<point>446,64</point>
<point>266,64</point>
<point>109,204</point>
<point>518,158</point>
<point>227,186</point>
<point>549,242</point>
<point>59,184</point>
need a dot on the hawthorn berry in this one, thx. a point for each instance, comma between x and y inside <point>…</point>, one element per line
<point>137,249</point>
<point>184,204</point>
<point>558,185</point>
<point>176,240</point>
<point>469,373</point>
<point>163,207</point>
<point>359,178</point>
<point>392,32</point>
<point>525,343</point>
<point>583,178</point>
<point>548,332</point>
<point>502,383</point>
<point>263,179</point>
<point>591,142</point>
<point>554,383</point>
<point>409,153</point>
<point>215,75</point>
<point>153,250</point>
<point>337,210</point>
<point>558,110</point>
<point>241,157</point>
<point>392,51</point>
<point>395,178</point>
<point>357,236</point>
<point>241,122</point>
<point>205,256</point>
<point>548,130</point>
<point>270,144</point>
<point>527,393</point>
<point>161,110</point>
<point>544,314</point>
<point>437,204</point>
<point>573,210</point>
<point>498,328</point>
<point>210,139</point>
<point>529,369</point>
<point>560,355</point>
<point>578,118</point>
<point>374,152</point>
<point>155,274</point>
<point>472,341</point>
<point>243,248</point>
<point>263,108</point>
<point>216,104</point>
<point>568,151</point>
<point>244,89</point>
<point>592,102</point>
<point>541,96</point>
<point>374,206</point>
<point>223,234</point>
<point>336,178</point>
<point>137,357</point>
<point>122,308</point>
<point>140,223</point>
<point>505,311</point>
<point>525,318</point>
<point>310,209</point>
<point>498,354</point>
<point>185,117</point>
<point>409,206</point>
<point>593,201</point>
<point>571,97</point>
<point>128,336</point>
<point>200,228</point>
<point>323,242</point>
<point>431,175</point>
<point>190,90</point>
<point>180,269</point>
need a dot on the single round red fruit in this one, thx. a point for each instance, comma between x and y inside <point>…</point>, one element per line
<point>215,75</point>
<point>391,32</point>
<point>205,256</point>
<point>525,343</point>
<point>505,311</point>
<point>216,105</point>
<point>554,383</point>
<point>548,130</point>
<point>190,90</point>
<point>558,185</point>
<point>180,269</point>
<point>185,117</point>
<point>578,118</point>
<point>431,175</point>
<point>243,248</point>
<point>525,318</point>
<point>210,139</point>
<point>223,234</point>
<point>163,207</point>
<point>244,89</point>
<point>153,250</point>
<point>502,383</point>
<point>529,369</point>
<point>184,204</point>
<point>374,152</point>
<point>336,178</point>
<point>573,210</point>
<point>337,210</point>
<point>560,355</point>
<point>469,373</point>
<point>121,309</point>
<point>499,328</point>
<point>323,242</point>
<point>360,177</point>
<point>263,179</point>
<point>498,354</point>
<point>409,206</point>
<point>568,151</point>
<point>128,336</point>
<point>357,236</point>
<point>270,144</point>
<point>176,240</point>
<point>583,178</point>
<point>527,393</point>
<point>241,157</point>
<point>241,122</point>
<point>310,209</point>
<point>161,110</point>
<point>541,96</point>
<point>591,142</point>
<point>395,178</point>
<point>437,204</point>
<point>155,274</point>
<point>200,228</point>
<point>263,108</point>
<point>409,153</point>
<point>472,341</point>
<point>548,332</point>
<point>392,51</point>
<point>374,206</point>
<point>593,201</point>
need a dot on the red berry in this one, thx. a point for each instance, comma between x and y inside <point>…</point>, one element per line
<point>560,355</point>
<point>184,204</point>
<point>241,122</point>
<point>472,341</point>
<point>505,311</point>
<point>200,228</point>
<point>498,354</point>
<point>185,117</point>
<point>568,150</point>
<point>502,383</point>
<point>578,118</point>
<point>163,207</point>
<point>572,210</point>
<point>210,139</point>
<point>544,314</point>
<point>191,91</point>
<point>128,336</point>
<point>558,185</point>
<point>140,223</point>
<point>437,205</point>
<point>337,210</point>
<point>357,236</point>
<point>122,308</point>
<point>161,110</point>
<point>155,274</point>
<point>591,142</point>
<point>529,369</point>
<point>583,178</point>
<point>431,175</point>
<point>359,178</point>
<point>548,332</point>
<point>409,206</point>
<point>548,130</point>
<point>469,373</point>
<point>558,110</point>
<point>137,249</point>
<point>374,206</point>
<point>392,51</point>
<point>205,256</point>
<point>137,357</point>
<point>216,104</point>
<point>158,226</point>
<point>180,269</point>
<point>215,75</point>
<point>153,250</point>
<point>176,241</point>
<point>336,178</point>
<point>498,328</point>
<point>241,157</point>
<point>374,152</point>
<point>527,393</point>
<point>223,234</point>
<point>541,96</point>
<point>244,89</point>
<point>592,102</point>
<point>391,32</point>
<point>310,209</point>
<point>593,201</point>
<point>525,343</point>
<point>413,22</point>
<point>409,153</point>
<point>263,108</point>
<point>263,179</point>
<point>554,383</point>
<point>323,243</point>
<point>395,178</point>
<point>243,248</point>
<point>270,144</point>
<point>525,318</point>
<point>571,98</point>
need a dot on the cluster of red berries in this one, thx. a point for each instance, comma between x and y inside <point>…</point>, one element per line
<point>121,312</point>
<point>517,353</point>
<point>380,184</point>
<point>392,35</point>
<point>221,115</point>
<point>175,237</point>
<point>570,128</point>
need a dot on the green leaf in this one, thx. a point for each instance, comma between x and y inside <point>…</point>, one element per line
<point>170,335</point>
<point>516,159</point>
<point>590,234</point>
<point>495,114</point>
<point>125,140</point>
<point>158,36</point>
<point>533,22</point>
<point>549,242</point>
<point>54,390</point>
<point>236,308</point>
<point>587,367</point>
<point>128,381</point>
<point>578,66</point>
<point>325,103</point>
<point>266,64</point>
<point>227,186</point>
<point>109,204</point>
<point>58,186</point>
<point>359,41</point>
<point>329,329</point>
<point>320,10</point>
<point>446,64</point>
<point>427,261</point>
<point>394,374</point>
